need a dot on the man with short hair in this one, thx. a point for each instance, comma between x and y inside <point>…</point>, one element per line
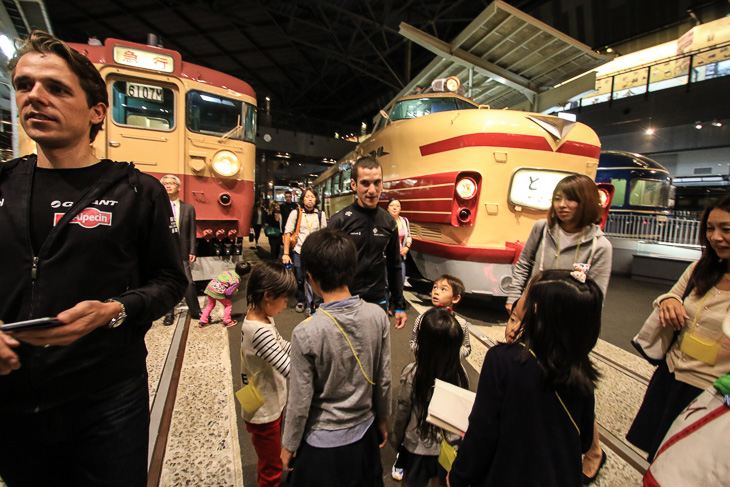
<point>93,244</point>
<point>184,214</point>
<point>375,233</point>
<point>288,206</point>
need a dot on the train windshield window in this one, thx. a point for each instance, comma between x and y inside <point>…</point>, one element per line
<point>533,188</point>
<point>619,193</point>
<point>143,105</point>
<point>215,115</point>
<point>418,107</point>
<point>649,192</point>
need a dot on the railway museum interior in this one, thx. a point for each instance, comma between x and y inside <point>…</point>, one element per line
<point>263,98</point>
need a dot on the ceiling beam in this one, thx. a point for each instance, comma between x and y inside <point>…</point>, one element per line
<point>464,58</point>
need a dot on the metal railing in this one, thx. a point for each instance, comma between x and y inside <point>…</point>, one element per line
<point>657,228</point>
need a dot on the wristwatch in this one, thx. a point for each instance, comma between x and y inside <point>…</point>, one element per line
<point>119,319</point>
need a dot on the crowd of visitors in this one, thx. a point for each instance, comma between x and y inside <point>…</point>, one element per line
<point>74,397</point>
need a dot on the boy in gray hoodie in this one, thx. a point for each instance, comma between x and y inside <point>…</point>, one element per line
<point>339,394</point>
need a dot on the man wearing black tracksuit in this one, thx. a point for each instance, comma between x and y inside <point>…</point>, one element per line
<point>93,243</point>
<point>375,233</point>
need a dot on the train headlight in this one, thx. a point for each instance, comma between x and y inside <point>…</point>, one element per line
<point>452,84</point>
<point>226,163</point>
<point>466,188</point>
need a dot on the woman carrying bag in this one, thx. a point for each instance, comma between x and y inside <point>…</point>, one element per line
<point>272,230</point>
<point>701,352</point>
<point>569,237</point>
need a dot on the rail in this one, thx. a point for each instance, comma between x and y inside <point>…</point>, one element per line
<point>658,228</point>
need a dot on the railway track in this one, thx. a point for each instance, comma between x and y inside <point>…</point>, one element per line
<point>608,439</point>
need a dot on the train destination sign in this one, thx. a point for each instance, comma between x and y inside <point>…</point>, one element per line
<point>534,188</point>
<point>145,92</point>
<point>138,58</point>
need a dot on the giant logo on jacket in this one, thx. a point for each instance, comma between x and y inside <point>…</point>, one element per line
<point>87,218</point>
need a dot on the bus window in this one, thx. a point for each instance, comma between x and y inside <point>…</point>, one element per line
<point>143,105</point>
<point>346,176</point>
<point>336,183</point>
<point>534,188</point>
<point>649,192</point>
<point>619,193</point>
<point>215,115</point>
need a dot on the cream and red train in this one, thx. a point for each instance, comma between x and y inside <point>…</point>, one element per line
<point>471,180</point>
<point>168,116</point>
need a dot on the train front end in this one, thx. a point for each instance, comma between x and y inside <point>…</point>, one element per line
<point>473,181</point>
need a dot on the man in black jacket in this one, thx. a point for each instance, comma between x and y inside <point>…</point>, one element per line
<point>184,214</point>
<point>92,243</point>
<point>375,233</point>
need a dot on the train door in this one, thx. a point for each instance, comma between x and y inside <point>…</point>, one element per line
<point>144,124</point>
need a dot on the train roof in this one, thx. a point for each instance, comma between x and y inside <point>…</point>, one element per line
<point>614,159</point>
<point>106,55</point>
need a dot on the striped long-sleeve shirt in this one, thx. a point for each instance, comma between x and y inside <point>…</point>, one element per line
<point>265,362</point>
<point>272,348</point>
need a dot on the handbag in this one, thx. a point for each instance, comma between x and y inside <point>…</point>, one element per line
<point>447,454</point>
<point>249,395</point>
<point>250,398</point>
<point>654,340</point>
<point>272,232</point>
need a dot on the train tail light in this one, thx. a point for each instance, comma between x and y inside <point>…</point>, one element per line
<point>225,163</point>
<point>605,197</point>
<point>225,199</point>
<point>466,199</point>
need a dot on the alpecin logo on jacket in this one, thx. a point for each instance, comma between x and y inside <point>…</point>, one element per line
<point>87,218</point>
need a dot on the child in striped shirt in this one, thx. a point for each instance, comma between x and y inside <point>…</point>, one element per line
<point>265,362</point>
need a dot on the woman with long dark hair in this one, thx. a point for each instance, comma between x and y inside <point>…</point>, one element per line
<point>696,307</point>
<point>534,411</point>
<point>437,357</point>
<point>569,236</point>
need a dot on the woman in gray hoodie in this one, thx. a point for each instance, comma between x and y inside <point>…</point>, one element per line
<point>568,237</point>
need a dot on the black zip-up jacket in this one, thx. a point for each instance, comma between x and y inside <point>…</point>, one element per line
<point>375,233</point>
<point>133,257</point>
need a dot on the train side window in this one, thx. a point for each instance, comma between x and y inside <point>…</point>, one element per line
<point>142,105</point>
<point>336,183</point>
<point>619,193</point>
<point>328,187</point>
<point>346,177</point>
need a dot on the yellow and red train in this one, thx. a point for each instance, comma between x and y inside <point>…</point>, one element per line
<point>168,116</point>
<point>471,180</point>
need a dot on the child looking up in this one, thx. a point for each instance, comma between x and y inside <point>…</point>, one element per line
<point>440,338</point>
<point>265,362</point>
<point>447,291</point>
<point>534,409</point>
<point>340,376</point>
<point>220,289</point>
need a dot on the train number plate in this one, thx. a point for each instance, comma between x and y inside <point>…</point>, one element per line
<point>145,92</point>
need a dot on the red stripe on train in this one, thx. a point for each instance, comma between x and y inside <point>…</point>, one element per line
<point>462,252</point>
<point>426,180</point>
<point>515,141</point>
